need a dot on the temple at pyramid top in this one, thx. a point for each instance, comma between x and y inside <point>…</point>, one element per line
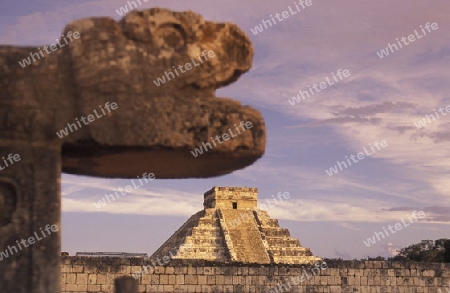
<point>231,228</point>
<point>231,198</point>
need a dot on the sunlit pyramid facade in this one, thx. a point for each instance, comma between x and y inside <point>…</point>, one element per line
<point>231,228</point>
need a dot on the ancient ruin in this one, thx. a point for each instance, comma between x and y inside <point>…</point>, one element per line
<point>109,69</point>
<point>231,228</point>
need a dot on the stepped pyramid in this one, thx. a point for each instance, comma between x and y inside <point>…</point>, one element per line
<point>231,228</point>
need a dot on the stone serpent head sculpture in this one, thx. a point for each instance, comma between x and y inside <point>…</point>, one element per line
<point>155,126</point>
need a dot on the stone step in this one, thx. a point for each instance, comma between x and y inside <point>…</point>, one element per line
<point>204,241</point>
<point>276,232</point>
<point>245,237</point>
<point>208,222</point>
<point>280,242</point>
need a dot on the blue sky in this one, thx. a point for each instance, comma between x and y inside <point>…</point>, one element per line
<point>380,100</point>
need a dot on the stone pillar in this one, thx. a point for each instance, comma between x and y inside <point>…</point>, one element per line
<point>150,129</point>
<point>30,203</point>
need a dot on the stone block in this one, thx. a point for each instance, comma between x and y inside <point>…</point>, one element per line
<point>192,270</point>
<point>334,289</point>
<point>191,279</point>
<point>82,278</point>
<point>124,270</point>
<point>211,280</point>
<point>92,279</point>
<point>181,288</point>
<point>202,280</point>
<point>228,289</point>
<point>208,271</point>
<point>180,270</point>
<point>172,279</point>
<point>179,280</point>
<point>159,270</point>
<point>363,281</point>
<point>170,270</point>
<point>77,269</point>
<point>220,279</point>
<point>72,287</point>
<point>210,289</point>
<point>107,288</point>
<point>93,288</point>
<point>163,279</point>
<point>168,288</point>
<point>262,280</point>
<point>101,279</point>
<point>252,271</point>
<point>229,280</point>
<point>154,279</point>
<point>66,268</point>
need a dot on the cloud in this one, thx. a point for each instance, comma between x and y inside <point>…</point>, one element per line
<point>350,227</point>
<point>81,193</point>
<point>373,109</point>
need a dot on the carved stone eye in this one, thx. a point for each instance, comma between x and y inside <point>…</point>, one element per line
<point>8,201</point>
<point>166,34</point>
<point>172,35</point>
<point>135,27</point>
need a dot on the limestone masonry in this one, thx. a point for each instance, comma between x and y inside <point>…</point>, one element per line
<point>231,228</point>
<point>97,274</point>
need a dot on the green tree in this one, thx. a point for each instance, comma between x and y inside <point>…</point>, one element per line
<point>447,251</point>
<point>426,251</point>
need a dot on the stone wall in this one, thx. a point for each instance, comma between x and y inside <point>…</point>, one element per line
<point>92,274</point>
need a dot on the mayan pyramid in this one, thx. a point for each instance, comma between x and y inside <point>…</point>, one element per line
<point>231,228</point>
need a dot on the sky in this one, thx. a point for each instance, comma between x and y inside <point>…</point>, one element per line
<point>379,99</point>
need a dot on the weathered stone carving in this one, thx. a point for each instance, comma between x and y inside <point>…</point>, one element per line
<point>153,127</point>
